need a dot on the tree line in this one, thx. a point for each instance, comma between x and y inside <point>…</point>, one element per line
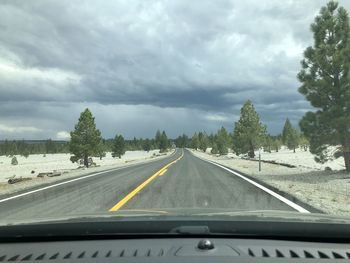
<point>247,136</point>
<point>118,146</point>
<point>24,148</point>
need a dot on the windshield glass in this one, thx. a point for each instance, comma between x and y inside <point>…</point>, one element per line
<point>174,108</point>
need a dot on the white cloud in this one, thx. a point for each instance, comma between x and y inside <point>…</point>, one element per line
<point>18,129</point>
<point>9,70</point>
<point>216,117</point>
<point>62,135</point>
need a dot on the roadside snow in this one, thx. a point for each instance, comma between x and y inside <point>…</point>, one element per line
<point>325,190</point>
<point>301,158</point>
<point>61,163</point>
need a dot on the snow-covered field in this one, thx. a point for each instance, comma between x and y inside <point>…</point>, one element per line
<point>301,158</point>
<point>60,163</point>
<point>327,191</point>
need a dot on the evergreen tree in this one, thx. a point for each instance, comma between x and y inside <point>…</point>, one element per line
<point>304,142</point>
<point>102,148</point>
<point>276,144</point>
<point>290,136</point>
<point>214,149</point>
<point>202,141</point>
<point>158,139</point>
<point>195,141</point>
<point>268,143</point>
<point>12,148</point>
<point>14,161</point>
<point>287,128</point>
<point>85,139</point>
<point>118,146</point>
<point>325,78</point>
<point>223,141</point>
<point>25,153</point>
<point>50,146</point>
<point>249,132</point>
<point>181,141</point>
<point>292,139</point>
<point>164,142</point>
<point>147,145</point>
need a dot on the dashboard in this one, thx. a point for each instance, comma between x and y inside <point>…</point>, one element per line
<point>175,250</point>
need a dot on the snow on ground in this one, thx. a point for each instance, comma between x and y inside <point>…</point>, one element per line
<point>301,158</point>
<point>327,191</point>
<point>61,163</point>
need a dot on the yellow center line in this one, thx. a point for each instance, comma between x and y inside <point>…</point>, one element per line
<point>141,186</point>
<point>162,172</point>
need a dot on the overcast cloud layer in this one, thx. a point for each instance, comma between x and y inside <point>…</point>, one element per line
<point>177,65</point>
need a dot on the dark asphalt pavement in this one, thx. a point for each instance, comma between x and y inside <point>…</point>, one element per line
<point>188,183</point>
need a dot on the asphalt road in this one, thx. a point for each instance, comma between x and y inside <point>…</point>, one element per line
<point>178,181</point>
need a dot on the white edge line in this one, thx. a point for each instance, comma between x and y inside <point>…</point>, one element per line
<point>74,180</point>
<point>281,198</point>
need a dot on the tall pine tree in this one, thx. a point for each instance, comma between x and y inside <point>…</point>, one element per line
<point>286,130</point>
<point>85,139</point>
<point>249,132</point>
<point>325,78</point>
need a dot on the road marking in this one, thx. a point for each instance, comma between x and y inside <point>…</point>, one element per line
<point>141,186</point>
<point>74,180</point>
<point>163,172</point>
<point>278,196</point>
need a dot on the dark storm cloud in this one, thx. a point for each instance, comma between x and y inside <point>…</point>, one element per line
<point>191,62</point>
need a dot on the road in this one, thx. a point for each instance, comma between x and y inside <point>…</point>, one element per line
<point>178,181</point>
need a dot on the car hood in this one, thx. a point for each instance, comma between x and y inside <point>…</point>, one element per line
<point>187,214</point>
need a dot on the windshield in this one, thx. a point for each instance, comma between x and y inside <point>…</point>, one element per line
<point>124,109</point>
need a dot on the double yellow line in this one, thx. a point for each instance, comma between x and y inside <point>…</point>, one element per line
<point>141,186</point>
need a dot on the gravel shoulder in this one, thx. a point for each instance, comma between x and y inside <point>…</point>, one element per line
<point>60,163</point>
<point>328,191</point>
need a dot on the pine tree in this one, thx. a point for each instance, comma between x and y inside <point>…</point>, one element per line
<point>85,139</point>
<point>276,144</point>
<point>292,139</point>
<point>304,142</point>
<point>214,149</point>
<point>25,153</point>
<point>164,142</point>
<point>195,141</point>
<point>118,146</point>
<point>202,141</point>
<point>325,78</point>
<point>158,139</point>
<point>223,141</point>
<point>182,141</point>
<point>268,143</point>
<point>147,145</point>
<point>286,130</point>
<point>290,136</point>
<point>249,132</point>
<point>101,150</point>
<point>50,146</point>
<point>14,161</point>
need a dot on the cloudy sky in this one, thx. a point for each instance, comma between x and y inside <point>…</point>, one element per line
<point>176,65</point>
